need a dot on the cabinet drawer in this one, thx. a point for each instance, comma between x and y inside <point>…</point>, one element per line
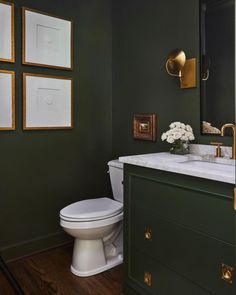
<point>185,203</point>
<point>196,256</point>
<point>127,290</point>
<point>150,277</point>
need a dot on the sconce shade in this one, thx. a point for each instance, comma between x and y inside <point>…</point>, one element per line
<point>175,62</point>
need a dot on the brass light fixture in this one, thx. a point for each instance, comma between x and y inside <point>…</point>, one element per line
<point>177,65</point>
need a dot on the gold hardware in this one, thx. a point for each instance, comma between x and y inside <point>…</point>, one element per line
<point>227,273</point>
<point>175,62</point>
<point>148,234</point>
<point>147,278</point>
<point>188,79</point>
<point>178,66</point>
<point>218,149</point>
<point>235,198</point>
<point>222,133</point>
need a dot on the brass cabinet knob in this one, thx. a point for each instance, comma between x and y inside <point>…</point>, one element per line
<point>147,278</point>
<point>148,234</point>
<point>227,273</point>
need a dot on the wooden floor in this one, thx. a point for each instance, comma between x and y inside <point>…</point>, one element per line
<point>49,273</point>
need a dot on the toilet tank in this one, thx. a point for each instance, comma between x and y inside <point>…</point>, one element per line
<point>116,177</point>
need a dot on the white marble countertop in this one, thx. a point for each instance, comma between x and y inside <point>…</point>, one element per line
<point>204,166</point>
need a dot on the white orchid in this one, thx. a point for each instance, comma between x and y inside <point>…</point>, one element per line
<point>189,128</point>
<point>163,137</point>
<point>178,131</point>
<point>177,135</point>
<point>191,137</point>
<point>170,139</point>
<point>172,125</point>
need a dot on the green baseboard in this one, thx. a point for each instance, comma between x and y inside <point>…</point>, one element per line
<point>30,247</point>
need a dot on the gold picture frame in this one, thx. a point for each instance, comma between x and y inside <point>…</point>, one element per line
<point>11,108</point>
<point>144,126</point>
<point>49,63</point>
<point>12,30</point>
<point>42,104</point>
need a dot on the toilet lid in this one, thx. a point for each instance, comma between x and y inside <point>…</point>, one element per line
<point>91,209</point>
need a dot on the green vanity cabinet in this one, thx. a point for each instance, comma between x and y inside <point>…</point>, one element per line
<point>179,234</point>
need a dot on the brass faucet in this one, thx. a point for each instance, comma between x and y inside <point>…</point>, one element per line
<point>229,125</point>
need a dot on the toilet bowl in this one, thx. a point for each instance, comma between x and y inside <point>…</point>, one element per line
<point>97,226</point>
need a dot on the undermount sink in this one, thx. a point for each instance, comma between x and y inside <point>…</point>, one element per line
<point>227,168</point>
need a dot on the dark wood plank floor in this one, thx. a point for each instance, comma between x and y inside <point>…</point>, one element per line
<point>49,273</point>
<point>5,288</point>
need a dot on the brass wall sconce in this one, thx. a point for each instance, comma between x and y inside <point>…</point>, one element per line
<point>177,65</point>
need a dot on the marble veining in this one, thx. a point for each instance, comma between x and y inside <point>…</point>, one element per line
<point>194,164</point>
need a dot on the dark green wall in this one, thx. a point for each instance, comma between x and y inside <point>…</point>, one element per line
<point>42,171</point>
<point>144,33</point>
<point>119,70</point>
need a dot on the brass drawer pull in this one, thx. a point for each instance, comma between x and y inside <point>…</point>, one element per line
<point>227,273</point>
<point>148,234</point>
<point>147,278</point>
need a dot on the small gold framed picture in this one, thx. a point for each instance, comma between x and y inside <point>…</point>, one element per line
<point>144,126</point>
<point>7,43</point>
<point>47,102</point>
<point>47,40</point>
<point>7,100</point>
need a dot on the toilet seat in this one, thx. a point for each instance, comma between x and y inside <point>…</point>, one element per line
<point>73,224</point>
<point>91,210</point>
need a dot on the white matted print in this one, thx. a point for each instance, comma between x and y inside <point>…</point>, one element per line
<point>7,100</point>
<point>47,102</point>
<point>47,40</point>
<point>7,51</point>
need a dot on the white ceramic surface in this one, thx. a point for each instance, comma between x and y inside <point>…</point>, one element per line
<point>97,226</point>
<point>209,167</point>
<point>91,210</point>
<point>116,177</point>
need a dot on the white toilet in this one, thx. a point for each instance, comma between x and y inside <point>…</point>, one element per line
<point>97,226</point>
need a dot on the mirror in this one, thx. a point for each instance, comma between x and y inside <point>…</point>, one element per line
<point>217,72</point>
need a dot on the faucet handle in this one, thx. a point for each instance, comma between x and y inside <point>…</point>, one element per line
<point>218,148</point>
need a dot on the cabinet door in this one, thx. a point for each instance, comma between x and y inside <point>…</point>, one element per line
<point>196,234</point>
<point>195,207</point>
<point>200,258</point>
<point>151,277</point>
<point>127,290</point>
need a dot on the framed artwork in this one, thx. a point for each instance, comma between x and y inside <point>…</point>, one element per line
<point>144,126</point>
<point>7,43</point>
<point>47,40</point>
<point>47,102</point>
<point>7,100</point>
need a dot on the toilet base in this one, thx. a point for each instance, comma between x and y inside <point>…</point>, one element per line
<point>91,257</point>
<point>111,262</point>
